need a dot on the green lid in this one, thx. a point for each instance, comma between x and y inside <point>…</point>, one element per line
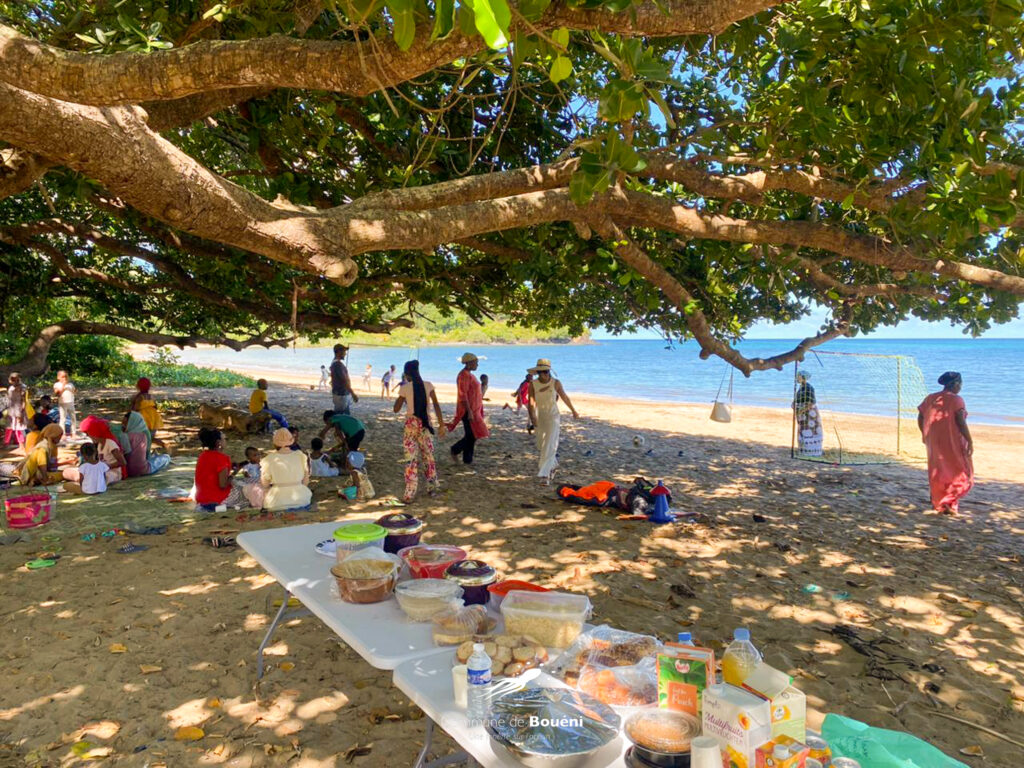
<point>357,532</point>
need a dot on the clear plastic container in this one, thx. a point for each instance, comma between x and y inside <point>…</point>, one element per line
<point>422,599</point>
<point>354,536</point>
<point>430,561</point>
<point>367,577</point>
<point>553,619</point>
<point>502,588</point>
<point>740,658</point>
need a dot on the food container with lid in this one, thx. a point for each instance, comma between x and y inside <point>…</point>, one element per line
<point>553,619</point>
<point>430,561</point>
<point>422,599</point>
<point>474,576</point>
<point>403,530</point>
<point>551,727</point>
<point>367,577</point>
<point>352,537</point>
<point>661,737</point>
<point>499,589</point>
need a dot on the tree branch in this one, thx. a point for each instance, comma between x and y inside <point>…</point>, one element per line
<point>285,62</point>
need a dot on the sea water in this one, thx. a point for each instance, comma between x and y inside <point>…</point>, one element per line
<point>659,372</point>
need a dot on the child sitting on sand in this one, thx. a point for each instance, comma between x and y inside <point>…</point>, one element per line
<point>320,465</point>
<point>250,467</point>
<point>91,475</point>
<point>258,404</point>
<point>360,488</point>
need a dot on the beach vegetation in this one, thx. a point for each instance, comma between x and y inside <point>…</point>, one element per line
<point>250,174</point>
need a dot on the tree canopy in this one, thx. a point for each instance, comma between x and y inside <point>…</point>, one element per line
<point>191,170</point>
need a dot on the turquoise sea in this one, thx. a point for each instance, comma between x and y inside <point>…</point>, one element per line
<point>859,379</point>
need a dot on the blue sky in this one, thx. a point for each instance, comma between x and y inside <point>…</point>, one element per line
<point>908,329</point>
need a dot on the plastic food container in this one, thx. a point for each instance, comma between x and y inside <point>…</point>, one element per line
<point>422,599</point>
<point>430,561</point>
<point>403,530</point>
<point>553,619</point>
<point>474,576</point>
<point>499,589</point>
<point>662,737</point>
<point>364,580</point>
<point>352,537</point>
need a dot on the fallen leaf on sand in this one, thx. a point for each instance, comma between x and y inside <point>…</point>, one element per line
<point>974,751</point>
<point>117,648</point>
<point>148,669</point>
<point>359,750</point>
<point>189,733</point>
<point>213,703</point>
<point>287,666</point>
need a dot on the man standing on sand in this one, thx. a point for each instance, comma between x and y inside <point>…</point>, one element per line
<point>469,410</point>
<point>341,387</point>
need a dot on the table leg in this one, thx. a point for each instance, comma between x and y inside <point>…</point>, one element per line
<point>270,631</point>
<point>428,741</point>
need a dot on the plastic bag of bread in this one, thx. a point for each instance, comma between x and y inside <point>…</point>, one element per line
<point>612,665</point>
<point>458,624</point>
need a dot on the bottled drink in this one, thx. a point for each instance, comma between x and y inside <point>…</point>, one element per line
<point>685,638</point>
<point>478,679</point>
<point>739,658</point>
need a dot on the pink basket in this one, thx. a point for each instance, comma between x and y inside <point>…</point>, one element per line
<point>28,511</point>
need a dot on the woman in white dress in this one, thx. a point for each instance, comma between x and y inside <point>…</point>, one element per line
<point>284,477</point>
<point>545,392</point>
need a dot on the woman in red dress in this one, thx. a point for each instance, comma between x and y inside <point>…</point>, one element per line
<point>942,418</point>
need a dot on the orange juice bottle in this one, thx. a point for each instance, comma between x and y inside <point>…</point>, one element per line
<point>739,658</point>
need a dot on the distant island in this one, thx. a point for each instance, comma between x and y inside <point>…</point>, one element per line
<point>458,328</point>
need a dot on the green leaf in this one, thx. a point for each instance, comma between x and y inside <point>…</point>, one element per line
<point>404,17</point>
<point>533,9</point>
<point>561,68</point>
<point>213,10</point>
<point>847,203</point>
<point>620,100</point>
<point>492,19</point>
<point>560,37</point>
<point>87,39</point>
<point>444,19</point>
<point>962,169</point>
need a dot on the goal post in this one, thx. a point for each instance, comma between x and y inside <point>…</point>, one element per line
<point>857,408</point>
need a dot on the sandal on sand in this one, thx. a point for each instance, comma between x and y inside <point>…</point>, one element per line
<point>131,549</point>
<point>221,542</point>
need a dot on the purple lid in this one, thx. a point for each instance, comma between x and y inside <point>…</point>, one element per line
<point>400,523</point>
<point>471,573</point>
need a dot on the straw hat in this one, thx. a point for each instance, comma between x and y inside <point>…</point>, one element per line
<point>468,357</point>
<point>283,438</point>
<point>542,365</point>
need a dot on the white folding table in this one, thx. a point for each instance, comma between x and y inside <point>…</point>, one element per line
<point>427,681</point>
<point>379,632</point>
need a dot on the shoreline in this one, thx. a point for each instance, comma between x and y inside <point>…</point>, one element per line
<point>999,449</point>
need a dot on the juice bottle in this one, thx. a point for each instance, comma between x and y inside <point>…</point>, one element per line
<point>739,658</point>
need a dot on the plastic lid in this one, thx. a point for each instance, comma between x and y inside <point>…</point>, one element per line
<point>780,752</point>
<point>478,647</point>
<point>685,637</point>
<point>741,634</point>
<point>470,573</point>
<point>400,523</point>
<point>502,588</point>
<point>358,532</point>
<point>429,588</point>
<point>664,731</point>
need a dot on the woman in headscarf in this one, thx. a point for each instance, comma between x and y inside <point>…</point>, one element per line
<point>545,392</point>
<point>36,467</point>
<point>942,419</point>
<point>141,459</point>
<point>108,446</point>
<point>415,394</point>
<point>809,434</point>
<point>284,477</point>
<point>145,405</point>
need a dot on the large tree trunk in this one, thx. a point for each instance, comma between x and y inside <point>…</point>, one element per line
<point>34,363</point>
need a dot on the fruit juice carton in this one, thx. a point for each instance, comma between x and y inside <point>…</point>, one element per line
<point>797,754</point>
<point>738,720</point>
<point>788,705</point>
<point>684,671</point>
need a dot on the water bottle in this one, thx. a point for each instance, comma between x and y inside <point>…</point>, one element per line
<point>739,658</point>
<point>478,679</point>
<point>685,638</point>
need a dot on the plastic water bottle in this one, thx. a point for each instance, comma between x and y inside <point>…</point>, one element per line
<point>739,658</point>
<point>478,679</point>
<point>685,638</point>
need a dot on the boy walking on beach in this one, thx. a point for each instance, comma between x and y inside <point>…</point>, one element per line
<point>341,387</point>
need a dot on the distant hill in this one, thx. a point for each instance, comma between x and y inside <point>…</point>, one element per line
<point>461,329</point>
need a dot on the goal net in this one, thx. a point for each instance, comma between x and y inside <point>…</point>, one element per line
<point>854,408</point>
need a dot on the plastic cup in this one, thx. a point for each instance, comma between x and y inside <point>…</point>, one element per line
<point>705,753</point>
<point>459,685</point>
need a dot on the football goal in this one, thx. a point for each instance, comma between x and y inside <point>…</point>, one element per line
<point>855,408</point>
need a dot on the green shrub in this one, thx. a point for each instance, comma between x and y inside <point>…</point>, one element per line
<point>86,356</point>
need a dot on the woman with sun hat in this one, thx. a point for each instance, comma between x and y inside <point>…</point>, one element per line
<point>545,392</point>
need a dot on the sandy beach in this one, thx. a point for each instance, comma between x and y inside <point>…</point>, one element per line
<point>122,650</point>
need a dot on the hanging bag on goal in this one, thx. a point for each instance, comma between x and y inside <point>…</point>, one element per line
<point>722,411</point>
